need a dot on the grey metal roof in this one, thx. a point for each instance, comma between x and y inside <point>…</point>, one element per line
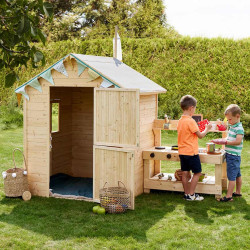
<point>113,70</point>
<point>120,73</point>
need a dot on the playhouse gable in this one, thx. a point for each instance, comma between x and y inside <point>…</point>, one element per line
<point>91,71</point>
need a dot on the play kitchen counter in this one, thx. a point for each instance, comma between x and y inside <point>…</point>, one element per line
<point>209,185</point>
<point>152,168</point>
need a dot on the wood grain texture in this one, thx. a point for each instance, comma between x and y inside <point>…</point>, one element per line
<point>113,165</point>
<point>147,102</point>
<point>117,117</point>
<point>82,132</point>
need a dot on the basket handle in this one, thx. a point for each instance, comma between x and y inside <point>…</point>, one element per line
<point>122,184</point>
<point>118,184</point>
<point>14,157</point>
<point>105,184</point>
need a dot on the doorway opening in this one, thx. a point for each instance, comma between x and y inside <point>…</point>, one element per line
<point>71,129</point>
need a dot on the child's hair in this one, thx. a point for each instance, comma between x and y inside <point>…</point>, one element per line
<point>188,101</point>
<point>234,109</point>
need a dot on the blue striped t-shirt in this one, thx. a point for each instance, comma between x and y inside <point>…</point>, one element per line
<point>235,130</point>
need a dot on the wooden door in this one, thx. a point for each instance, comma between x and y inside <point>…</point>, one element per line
<point>116,117</point>
<point>112,165</point>
<point>116,138</point>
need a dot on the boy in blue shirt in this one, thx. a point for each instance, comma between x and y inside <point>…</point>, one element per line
<point>233,147</point>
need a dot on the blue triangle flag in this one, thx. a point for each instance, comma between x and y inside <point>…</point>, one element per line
<point>35,84</point>
<point>47,76</point>
<point>81,68</point>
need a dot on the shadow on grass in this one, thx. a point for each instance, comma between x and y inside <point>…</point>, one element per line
<point>64,219</point>
<point>207,211</point>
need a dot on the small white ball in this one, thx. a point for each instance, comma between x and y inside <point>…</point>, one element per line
<point>14,175</point>
<point>25,172</point>
<point>4,175</point>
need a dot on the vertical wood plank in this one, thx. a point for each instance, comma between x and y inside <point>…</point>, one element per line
<point>224,176</point>
<point>157,134</point>
<point>218,179</point>
<point>25,144</point>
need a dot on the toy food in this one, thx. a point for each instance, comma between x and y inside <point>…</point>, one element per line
<point>202,125</point>
<point>101,210</point>
<point>95,209</point>
<point>222,127</point>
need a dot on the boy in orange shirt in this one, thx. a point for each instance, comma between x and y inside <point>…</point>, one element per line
<point>188,134</point>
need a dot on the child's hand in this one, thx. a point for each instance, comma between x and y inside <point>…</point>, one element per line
<point>219,141</point>
<point>208,126</point>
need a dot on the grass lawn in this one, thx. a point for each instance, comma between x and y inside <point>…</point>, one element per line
<point>161,220</point>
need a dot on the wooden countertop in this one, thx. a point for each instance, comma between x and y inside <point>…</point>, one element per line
<point>173,155</point>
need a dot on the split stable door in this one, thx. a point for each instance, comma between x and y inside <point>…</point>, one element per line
<point>116,138</point>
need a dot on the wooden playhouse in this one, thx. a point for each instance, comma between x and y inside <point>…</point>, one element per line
<point>106,117</point>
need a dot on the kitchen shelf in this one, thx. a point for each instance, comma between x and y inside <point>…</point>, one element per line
<point>152,167</point>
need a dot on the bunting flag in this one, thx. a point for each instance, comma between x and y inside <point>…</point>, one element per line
<point>81,68</point>
<point>19,98</point>
<point>35,84</point>
<point>92,75</point>
<point>60,68</point>
<point>105,84</point>
<point>21,90</point>
<point>47,76</point>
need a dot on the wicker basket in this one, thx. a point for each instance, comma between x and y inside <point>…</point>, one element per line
<point>115,199</point>
<point>15,179</point>
<point>178,175</point>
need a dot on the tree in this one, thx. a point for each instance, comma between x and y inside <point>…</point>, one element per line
<point>20,27</point>
<point>92,19</point>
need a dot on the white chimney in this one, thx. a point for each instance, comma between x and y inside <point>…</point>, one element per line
<point>117,47</point>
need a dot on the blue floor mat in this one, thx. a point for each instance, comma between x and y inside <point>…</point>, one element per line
<point>67,185</point>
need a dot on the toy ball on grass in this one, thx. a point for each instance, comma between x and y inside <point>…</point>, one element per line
<point>101,210</point>
<point>95,209</point>
<point>98,210</point>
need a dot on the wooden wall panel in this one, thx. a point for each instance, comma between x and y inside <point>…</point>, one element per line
<point>82,132</point>
<point>36,139</point>
<point>148,113</point>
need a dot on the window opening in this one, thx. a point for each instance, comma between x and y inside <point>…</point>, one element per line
<point>55,116</point>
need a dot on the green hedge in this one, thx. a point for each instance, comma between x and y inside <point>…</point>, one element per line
<point>215,71</point>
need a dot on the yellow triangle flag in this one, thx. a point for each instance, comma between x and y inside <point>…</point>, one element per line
<point>19,98</point>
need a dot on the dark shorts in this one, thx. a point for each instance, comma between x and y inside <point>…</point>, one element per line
<point>190,162</point>
<point>233,166</point>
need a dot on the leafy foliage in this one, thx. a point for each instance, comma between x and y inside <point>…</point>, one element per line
<point>10,115</point>
<point>19,25</point>
<point>215,71</point>
<point>94,19</point>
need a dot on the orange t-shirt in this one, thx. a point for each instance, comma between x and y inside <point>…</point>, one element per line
<point>187,139</point>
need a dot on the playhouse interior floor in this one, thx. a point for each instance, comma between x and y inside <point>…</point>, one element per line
<point>67,185</point>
